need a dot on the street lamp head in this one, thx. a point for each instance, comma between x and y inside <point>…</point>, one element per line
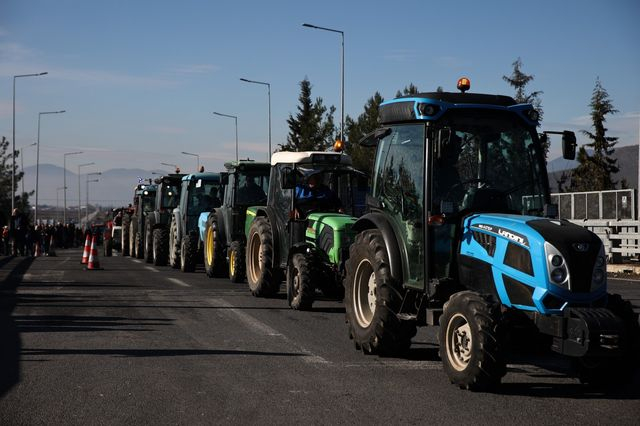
<point>44,73</point>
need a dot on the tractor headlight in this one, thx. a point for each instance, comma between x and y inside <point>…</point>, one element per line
<point>557,269</point>
<point>599,276</point>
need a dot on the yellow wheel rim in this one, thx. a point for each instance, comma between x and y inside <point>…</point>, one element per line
<point>210,247</point>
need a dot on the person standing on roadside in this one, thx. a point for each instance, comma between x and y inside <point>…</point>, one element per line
<point>19,226</point>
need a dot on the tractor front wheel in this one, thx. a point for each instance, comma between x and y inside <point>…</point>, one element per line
<point>300,289</point>
<point>469,342</point>
<point>237,266</point>
<point>263,279</point>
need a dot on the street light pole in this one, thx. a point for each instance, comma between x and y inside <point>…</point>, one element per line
<point>175,166</point>
<point>79,196</point>
<point>197,159</point>
<point>235,118</point>
<point>58,202</point>
<point>38,159</point>
<point>64,213</point>
<point>342,79</point>
<point>269,95</point>
<point>86,220</point>
<point>13,143</point>
<point>22,163</point>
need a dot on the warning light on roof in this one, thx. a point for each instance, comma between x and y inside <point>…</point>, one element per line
<point>464,84</point>
<point>338,146</point>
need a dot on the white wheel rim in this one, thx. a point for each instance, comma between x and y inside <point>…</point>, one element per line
<point>459,342</point>
<point>364,293</point>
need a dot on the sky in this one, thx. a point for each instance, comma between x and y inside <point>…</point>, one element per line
<point>140,80</point>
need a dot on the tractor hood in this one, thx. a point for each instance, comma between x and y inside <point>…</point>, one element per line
<point>535,263</point>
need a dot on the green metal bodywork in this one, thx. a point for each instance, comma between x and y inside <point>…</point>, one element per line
<point>331,233</point>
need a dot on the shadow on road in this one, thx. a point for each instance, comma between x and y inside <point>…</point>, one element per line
<point>9,336</point>
<point>147,353</point>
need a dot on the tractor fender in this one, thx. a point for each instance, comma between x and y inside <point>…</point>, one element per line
<point>303,248</point>
<point>380,222</point>
<point>176,217</point>
<point>222,230</point>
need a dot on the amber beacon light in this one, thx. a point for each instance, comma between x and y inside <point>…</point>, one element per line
<point>464,84</point>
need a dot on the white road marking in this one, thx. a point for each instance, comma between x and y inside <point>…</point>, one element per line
<point>151,268</point>
<point>136,260</point>
<point>257,325</point>
<point>179,282</point>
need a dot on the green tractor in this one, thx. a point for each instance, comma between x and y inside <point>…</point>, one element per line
<point>133,223</point>
<point>304,231</point>
<point>156,231</point>
<point>222,230</point>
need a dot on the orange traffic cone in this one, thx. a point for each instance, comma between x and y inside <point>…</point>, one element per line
<point>52,249</point>
<point>87,250</point>
<point>93,257</point>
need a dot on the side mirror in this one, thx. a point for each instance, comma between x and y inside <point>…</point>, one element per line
<point>568,145</point>
<point>224,178</point>
<point>288,178</point>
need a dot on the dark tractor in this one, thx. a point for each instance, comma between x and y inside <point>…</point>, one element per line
<point>303,232</point>
<point>460,232</point>
<point>246,184</point>
<point>157,226</point>
<point>199,192</point>
<point>134,222</point>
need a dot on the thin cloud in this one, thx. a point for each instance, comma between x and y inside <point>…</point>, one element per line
<point>167,130</point>
<point>400,55</point>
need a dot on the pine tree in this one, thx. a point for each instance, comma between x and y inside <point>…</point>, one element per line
<point>594,173</point>
<point>519,81</point>
<point>366,122</point>
<point>411,89</point>
<point>21,201</point>
<point>313,128</point>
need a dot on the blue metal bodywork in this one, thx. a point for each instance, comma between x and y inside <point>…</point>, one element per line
<point>513,229</point>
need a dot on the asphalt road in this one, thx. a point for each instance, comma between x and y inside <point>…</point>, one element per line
<point>138,344</point>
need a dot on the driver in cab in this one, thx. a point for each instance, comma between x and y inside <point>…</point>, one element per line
<point>315,195</point>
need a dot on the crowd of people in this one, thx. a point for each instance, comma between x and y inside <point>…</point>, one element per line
<point>22,238</point>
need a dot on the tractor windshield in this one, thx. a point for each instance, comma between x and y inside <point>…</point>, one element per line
<point>147,202</point>
<point>170,196</point>
<point>252,187</point>
<point>487,160</point>
<point>203,197</point>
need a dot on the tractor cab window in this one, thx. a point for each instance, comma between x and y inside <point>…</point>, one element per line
<point>147,202</point>
<point>488,162</point>
<point>170,198</point>
<point>204,196</point>
<point>252,187</point>
<point>399,185</point>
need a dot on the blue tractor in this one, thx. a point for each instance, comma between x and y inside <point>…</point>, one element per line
<point>460,233</point>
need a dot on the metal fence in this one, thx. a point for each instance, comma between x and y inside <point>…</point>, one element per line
<point>611,205</point>
<point>612,215</point>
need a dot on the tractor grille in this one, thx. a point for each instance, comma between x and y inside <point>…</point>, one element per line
<point>519,293</point>
<point>518,258</point>
<point>488,242</point>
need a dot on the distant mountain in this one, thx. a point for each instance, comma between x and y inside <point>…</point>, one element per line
<point>115,186</point>
<point>627,162</point>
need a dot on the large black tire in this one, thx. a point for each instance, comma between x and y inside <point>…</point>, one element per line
<point>148,242</point>
<point>237,265</point>
<point>373,298</point>
<point>300,287</point>
<point>469,341</point>
<point>133,231</point>
<point>188,253</point>
<point>174,245</point>
<point>215,264</point>
<point>108,247</point>
<point>160,246</point>
<point>263,280</point>
<point>621,370</point>
<point>124,237</point>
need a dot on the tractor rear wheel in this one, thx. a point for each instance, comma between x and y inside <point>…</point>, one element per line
<point>263,279</point>
<point>174,245</point>
<point>124,237</point>
<point>237,265</point>
<point>373,298</point>
<point>160,246</point>
<point>188,253</point>
<point>148,243</point>
<point>214,261</point>
<point>300,288</point>
<point>469,341</point>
